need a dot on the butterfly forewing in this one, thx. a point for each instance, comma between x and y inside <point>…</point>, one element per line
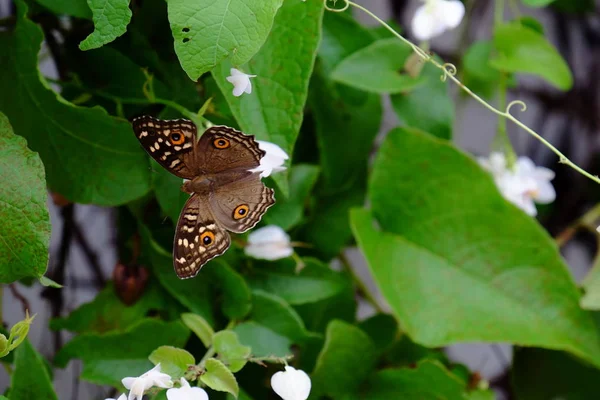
<point>198,237</point>
<point>170,142</point>
<point>224,149</point>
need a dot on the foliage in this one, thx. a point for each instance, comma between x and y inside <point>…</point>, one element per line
<point>454,261</point>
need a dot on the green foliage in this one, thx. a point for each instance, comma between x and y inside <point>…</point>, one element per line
<point>426,240</point>
<point>30,379</point>
<point>173,361</point>
<point>78,145</point>
<point>230,351</point>
<point>218,377</point>
<point>25,230</point>
<point>75,8</point>
<point>111,18</point>
<point>521,49</point>
<point>199,326</point>
<point>17,335</point>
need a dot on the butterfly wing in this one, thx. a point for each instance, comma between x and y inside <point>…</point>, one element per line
<point>224,149</point>
<point>240,204</point>
<point>170,142</point>
<point>198,237</point>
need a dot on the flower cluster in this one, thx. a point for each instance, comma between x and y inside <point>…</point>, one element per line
<point>524,184</point>
<point>291,384</point>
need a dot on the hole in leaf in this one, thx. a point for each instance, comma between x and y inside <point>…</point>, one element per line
<point>185,40</point>
<point>185,30</point>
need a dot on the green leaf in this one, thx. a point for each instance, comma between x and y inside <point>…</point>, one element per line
<point>275,109</point>
<point>344,362</point>
<point>237,297</point>
<point>428,106</point>
<point>108,358</point>
<point>478,74</point>
<point>173,361</point>
<point>207,32</point>
<point>315,282</point>
<point>405,353</point>
<point>167,188</point>
<point>47,282</point>
<point>521,49</point>
<point>540,374</point>
<point>382,329</point>
<point>429,381</point>
<point>262,340</point>
<point>218,377</point>
<point>591,284</point>
<point>89,156</point>
<point>25,231</point>
<point>200,327</point>
<point>289,212</point>
<point>111,18</point>
<point>230,351</point>
<point>108,313</point>
<point>452,250</point>
<point>274,313</point>
<point>30,379</point>
<point>75,8</point>
<point>377,68</point>
<point>537,3</point>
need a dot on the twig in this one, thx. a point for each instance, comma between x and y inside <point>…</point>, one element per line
<point>22,299</point>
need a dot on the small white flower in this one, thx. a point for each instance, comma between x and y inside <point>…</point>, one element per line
<point>121,397</point>
<point>269,243</point>
<point>137,386</point>
<point>436,17</point>
<point>293,384</point>
<point>272,161</point>
<point>186,392</point>
<point>522,185</point>
<point>241,82</point>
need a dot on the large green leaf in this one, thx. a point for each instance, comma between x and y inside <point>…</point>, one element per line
<point>25,230</point>
<point>173,361</point>
<point>110,357</point>
<point>540,374</point>
<point>428,381</point>
<point>111,18</point>
<point>344,362</point>
<point>30,379</point>
<point>521,49</point>
<point>208,31</point>
<point>108,313</point>
<point>89,156</point>
<point>274,313</point>
<point>275,109</point>
<point>377,68</point>
<point>227,345</point>
<point>537,3</point>
<point>453,251</point>
<point>218,377</point>
<point>76,8</point>
<point>262,340</point>
<point>315,282</point>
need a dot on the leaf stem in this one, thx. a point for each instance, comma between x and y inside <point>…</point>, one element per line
<point>362,287</point>
<point>449,71</point>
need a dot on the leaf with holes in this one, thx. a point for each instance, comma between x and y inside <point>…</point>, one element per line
<point>208,31</point>
<point>25,230</point>
<point>89,156</point>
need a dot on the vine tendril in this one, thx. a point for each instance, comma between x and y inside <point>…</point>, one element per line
<point>449,71</point>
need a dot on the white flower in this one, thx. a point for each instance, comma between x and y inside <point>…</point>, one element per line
<point>269,243</point>
<point>522,185</point>
<point>241,82</point>
<point>435,17</point>
<point>293,384</point>
<point>121,397</point>
<point>139,385</point>
<point>186,392</point>
<point>273,159</point>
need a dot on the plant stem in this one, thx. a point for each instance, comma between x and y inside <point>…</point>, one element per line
<point>362,287</point>
<point>449,71</point>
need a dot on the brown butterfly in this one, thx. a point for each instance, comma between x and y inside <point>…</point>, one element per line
<point>225,194</point>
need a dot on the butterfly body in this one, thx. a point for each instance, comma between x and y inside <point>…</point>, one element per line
<point>225,193</point>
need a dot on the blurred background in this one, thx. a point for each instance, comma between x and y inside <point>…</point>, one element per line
<point>83,245</point>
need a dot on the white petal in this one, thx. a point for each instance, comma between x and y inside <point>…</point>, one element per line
<point>452,12</point>
<point>236,72</point>
<point>127,382</point>
<point>424,24</point>
<point>273,149</point>
<point>545,194</point>
<point>138,388</point>
<point>543,174</point>
<point>248,87</point>
<point>121,397</point>
<point>270,233</point>
<point>269,252</point>
<point>525,166</point>
<point>292,384</point>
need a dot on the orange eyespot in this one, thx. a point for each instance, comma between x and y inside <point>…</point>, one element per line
<point>221,143</point>
<point>207,238</point>
<point>177,137</point>
<point>240,212</point>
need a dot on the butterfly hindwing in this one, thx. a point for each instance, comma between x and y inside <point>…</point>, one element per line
<point>222,149</point>
<point>170,142</point>
<point>239,205</point>
<point>198,237</point>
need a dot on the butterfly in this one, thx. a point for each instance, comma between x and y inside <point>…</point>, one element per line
<point>225,194</point>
